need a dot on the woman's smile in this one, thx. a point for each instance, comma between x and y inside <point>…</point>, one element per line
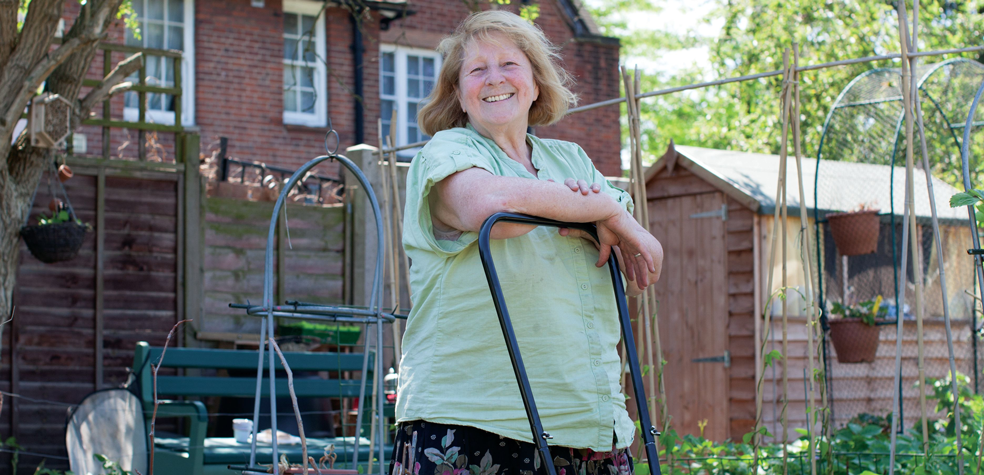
<point>496,87</point>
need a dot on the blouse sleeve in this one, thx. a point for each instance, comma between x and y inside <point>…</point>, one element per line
<point>445,154</point>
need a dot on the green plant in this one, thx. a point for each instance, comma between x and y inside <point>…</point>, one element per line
<point>973,198</point>
<point>58,217</point>
<point>867,311</point>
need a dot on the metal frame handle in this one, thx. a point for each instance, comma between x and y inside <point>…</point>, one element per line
<point>539,435</point>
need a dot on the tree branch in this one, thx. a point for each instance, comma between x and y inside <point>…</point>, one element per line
<point>8,29</point>
<point>108,87</point>
<point>34,42</point>
<point>31,83</point>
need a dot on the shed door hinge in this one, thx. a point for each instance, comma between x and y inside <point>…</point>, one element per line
<point>726,359</point>
<point>722,213</point>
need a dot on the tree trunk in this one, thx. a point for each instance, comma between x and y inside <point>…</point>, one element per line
<point>16,190</point>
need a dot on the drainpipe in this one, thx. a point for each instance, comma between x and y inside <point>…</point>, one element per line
<point>357,52</point>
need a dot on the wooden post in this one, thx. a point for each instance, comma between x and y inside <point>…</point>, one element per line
<point>107,111</point>
<point>100,276</point>
<point>363,227</point>
<point>194,233</point>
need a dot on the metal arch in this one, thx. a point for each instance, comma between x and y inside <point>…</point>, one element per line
<point>965,163</point>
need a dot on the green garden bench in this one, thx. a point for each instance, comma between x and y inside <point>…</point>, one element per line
<point>196,454</point>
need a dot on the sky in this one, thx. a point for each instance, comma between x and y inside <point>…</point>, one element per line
<point>678,16</point>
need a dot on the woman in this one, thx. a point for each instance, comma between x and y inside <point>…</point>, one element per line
<point>459,406</point>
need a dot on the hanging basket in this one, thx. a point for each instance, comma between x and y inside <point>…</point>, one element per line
<point>51,243</point>
<point>854,341</point>
<point>855,233</point>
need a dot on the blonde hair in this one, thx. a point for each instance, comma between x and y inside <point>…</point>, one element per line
<point>443,111</point>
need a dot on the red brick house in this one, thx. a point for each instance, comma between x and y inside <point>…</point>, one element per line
<point>267,74</point>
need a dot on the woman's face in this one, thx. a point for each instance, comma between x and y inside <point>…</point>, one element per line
<point>496,86</point>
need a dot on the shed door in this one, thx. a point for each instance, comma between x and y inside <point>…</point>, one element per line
<point>693,311</point>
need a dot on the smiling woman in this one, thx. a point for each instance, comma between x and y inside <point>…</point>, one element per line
<point>459,406</point>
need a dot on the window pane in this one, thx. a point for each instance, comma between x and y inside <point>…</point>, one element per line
<point>290,101</point>
<point>307,102</point>
<point>175,37</point>
<point>386,113</point>
<point>413,65</point>
<point>310,55</point>
<point>290,49</point>
<point>290,77</point>
<point>138,8</point>
<point>412,112</point>
<point>153,102</point>
<point>155,10</point>
<point>290,24</point>
<point>130,39</point>
<point>389,85</point>
<point>131,99</point>
<point>429,67</point>
<point>428,87</point>
<point>168,102</point>
<point>413,88</point>
<point>154,34</point>
<point>307,25</point>
<point>153,70</point>
<point>175,11</point>
<point>168,72</point>
<point>389,63</point>
<point>307,77</point>
<point>412,135</point>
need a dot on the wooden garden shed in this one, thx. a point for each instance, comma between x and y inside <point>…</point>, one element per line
<point>712,210</point>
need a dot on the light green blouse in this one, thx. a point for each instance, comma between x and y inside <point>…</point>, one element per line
<point>455,367</point>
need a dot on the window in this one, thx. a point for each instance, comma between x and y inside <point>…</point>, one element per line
<point>406,77</point>
<point>305,82</point>
<point>164,24</point>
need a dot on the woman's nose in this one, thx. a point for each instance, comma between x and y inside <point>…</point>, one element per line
<point>494,76</point>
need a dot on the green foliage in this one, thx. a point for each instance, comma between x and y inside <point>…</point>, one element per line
<point>56,218</point>
<point>861,447</point>
<point>746,116</point>
<point>867,311</point>
<point>771,357</point>
<point>530,12</point>
<point>973,198</point>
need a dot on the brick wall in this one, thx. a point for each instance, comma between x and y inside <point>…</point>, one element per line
<point>239,80</point>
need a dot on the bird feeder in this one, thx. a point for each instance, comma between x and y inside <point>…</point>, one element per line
<point>49,120</point>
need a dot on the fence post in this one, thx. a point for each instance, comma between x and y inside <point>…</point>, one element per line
<point>360,257</point>
<point>194,232</point>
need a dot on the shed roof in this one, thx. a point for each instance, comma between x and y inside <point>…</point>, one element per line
<point>751,178</point>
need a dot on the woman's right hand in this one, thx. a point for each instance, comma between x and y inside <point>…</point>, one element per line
<point>641,252</point>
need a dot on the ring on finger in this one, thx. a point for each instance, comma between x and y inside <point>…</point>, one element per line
<point>637,254</point>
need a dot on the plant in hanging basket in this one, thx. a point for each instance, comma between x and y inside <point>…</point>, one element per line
<point>853,330</point>
<point>855,232</point>
<point>55,239</point>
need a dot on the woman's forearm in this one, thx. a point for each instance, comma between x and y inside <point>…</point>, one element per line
<point>466,199</point>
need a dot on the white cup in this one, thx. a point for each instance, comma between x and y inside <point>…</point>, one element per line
<point>242,428</point>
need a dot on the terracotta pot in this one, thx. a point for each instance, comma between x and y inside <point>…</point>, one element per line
<point>854,341</point>
<point>855,233</point>
<point>64,173</point>
<point>54,205</point>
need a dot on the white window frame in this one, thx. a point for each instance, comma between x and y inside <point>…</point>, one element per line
<point>318,118</point>
<point>132,114</point>
<point>400,99</point>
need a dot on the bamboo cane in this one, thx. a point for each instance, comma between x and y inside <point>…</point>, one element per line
<point>767,311</point>
<point>628,112</point>
<point>939,246</point>
<point>390,248</point>
<point>787,95</point>
<point>906,223</point>
<point>649,295</point>
<point>805,254</point>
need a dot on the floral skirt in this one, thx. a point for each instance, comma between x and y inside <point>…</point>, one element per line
<point>425,448</point>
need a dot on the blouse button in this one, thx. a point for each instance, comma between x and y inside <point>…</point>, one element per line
<point>590,325</point>
<point>577,250</point>
<point>597,362</point>
<point>456,152</point>
<point>584,286</point>
<point>605,398</point>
